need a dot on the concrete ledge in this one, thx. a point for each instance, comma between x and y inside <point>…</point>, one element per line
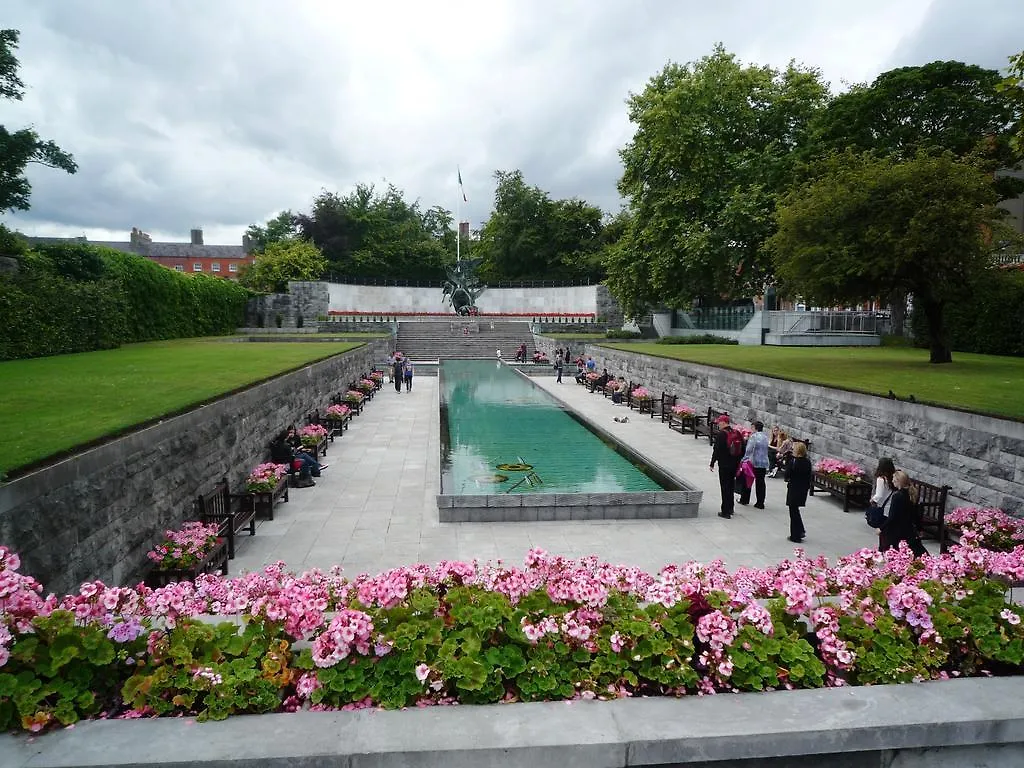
<point>822,340</point>
<point>950,723</point>
<point>528,507</point>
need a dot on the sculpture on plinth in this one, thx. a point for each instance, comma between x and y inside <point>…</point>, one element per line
<point>462,286</point>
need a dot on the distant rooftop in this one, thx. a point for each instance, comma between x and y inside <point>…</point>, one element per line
<point>140,244</point>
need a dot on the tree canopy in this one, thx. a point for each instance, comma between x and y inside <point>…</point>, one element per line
<point>20,148</point>
<point>1012,87</point>
<point>868,224</point>
<point>531,236</point>
<point>281,227</point>
<point>281,261</point>
<point>371,234</point>
<point>943,105</point>
<point>713,150</point>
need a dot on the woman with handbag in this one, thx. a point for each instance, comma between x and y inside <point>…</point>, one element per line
<point>902,521</point>
<point>798,476</point>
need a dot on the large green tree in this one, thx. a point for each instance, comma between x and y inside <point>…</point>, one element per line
<point>370,234</point>
<point>20,148</point>
<point>713,149</point>
<point>531,236</point>
<point>867,224</point>
<point>943,105</point>
<point>281,261</point>
<point>1012,87</point>
<point>281,227</point>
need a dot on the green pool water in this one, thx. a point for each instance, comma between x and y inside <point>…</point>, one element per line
<point>490,415</point>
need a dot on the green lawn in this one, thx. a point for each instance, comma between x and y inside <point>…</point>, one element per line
<point>982,383</point>
<point>53,404</point>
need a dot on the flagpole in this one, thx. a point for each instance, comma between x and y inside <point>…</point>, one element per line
<point>458,217</point>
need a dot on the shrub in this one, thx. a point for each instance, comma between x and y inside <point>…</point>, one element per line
<point>75,297</point>
<point>613,333</point>
<point>706,338</point>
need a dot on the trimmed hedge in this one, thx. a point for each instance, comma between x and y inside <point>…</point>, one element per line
<point>706,338</point>
<point>988,318</point>
<point>76,297</point>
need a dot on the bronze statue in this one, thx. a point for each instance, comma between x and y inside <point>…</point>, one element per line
<point>462,286</point>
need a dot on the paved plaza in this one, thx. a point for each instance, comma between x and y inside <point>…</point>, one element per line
<point>374,508</point>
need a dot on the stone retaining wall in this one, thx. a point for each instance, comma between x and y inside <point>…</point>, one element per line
<point>96,514</point>
<point>980,457</point>
<point>977,722</point>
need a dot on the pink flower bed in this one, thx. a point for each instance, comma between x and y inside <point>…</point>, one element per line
<point>338,411</point>
<point>641,393</point>
<point>841,470</point>
<point>989,528</point>
<point>186,547</point>
<point>683,410</point>
<point>265,477</point>
<point>458,632</point>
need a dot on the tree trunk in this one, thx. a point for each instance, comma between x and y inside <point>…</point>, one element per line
<point>898,312</point>
<point>937,344</point>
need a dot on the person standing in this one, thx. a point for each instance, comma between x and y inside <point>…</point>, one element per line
<point>408,375</point>
<point>798,476</point>
<point>398,373</point>
<point>559,361</point>
<point>727,456</point>
<point>757,454</point>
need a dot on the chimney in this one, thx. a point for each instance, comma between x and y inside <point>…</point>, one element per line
<point>246,243</point>
<point>197,237</point>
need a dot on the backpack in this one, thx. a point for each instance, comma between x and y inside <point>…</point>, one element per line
<point>735,443</point>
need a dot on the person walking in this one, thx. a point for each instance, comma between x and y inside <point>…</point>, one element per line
<point>757,454</point>
<point>408,375</point>
<point>398,373</point>
<point>726,453</point>
<point>798,476</point>
<point>559,361</point>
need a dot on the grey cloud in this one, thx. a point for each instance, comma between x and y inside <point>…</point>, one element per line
<point>220,114</point>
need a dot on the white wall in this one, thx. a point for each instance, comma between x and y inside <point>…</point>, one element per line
<point>375,298</point>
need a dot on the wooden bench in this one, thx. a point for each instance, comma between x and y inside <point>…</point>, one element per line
<point>231,512</point>
<point>931,503</point>
<point>663,407</point>
<point>710,426</point>
<point>368,394</point>
<point>335,427</point>
<point>215,562</point>
<point>850,492</point>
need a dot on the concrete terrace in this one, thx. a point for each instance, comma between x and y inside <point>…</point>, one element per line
<point>375,507</point>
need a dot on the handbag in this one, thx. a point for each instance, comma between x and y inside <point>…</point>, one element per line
<point>875,515</point>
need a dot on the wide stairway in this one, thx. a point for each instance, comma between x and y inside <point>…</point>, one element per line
<point>462,338</point>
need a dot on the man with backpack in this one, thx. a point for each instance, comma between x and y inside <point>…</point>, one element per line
<point>726,453</point>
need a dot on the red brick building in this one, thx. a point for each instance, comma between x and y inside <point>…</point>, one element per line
<point>193,257</point>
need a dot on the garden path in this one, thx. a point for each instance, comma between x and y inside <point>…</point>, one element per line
<point>374,508</point>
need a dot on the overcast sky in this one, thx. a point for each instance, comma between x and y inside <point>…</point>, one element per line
<point>183,113</point>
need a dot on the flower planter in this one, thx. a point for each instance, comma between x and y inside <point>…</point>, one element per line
<point>692,424</point>
<point>856,492</point>
<point>215,562</point>
<point>264,501</point>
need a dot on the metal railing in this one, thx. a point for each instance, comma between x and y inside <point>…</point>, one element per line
<point>714,318</point>
<point>818,323</point>
<point>1003,259</point>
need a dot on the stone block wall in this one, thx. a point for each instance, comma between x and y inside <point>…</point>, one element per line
<point>96,514</point>
<point>980,457</point>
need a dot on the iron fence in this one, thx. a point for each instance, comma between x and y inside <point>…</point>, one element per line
<point>824,322</point>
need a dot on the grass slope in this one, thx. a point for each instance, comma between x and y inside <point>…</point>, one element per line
<point>982,383</point>
<point>53,404</point>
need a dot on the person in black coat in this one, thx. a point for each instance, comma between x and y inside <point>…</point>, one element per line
<point>727,465</point>
<point>798,477</point>
<point>901,523</point>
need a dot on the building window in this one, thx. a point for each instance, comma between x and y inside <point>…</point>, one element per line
<point>233,267</point>
<point>215,266</point>
<point>197,266</point>
<point>179,267</point>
